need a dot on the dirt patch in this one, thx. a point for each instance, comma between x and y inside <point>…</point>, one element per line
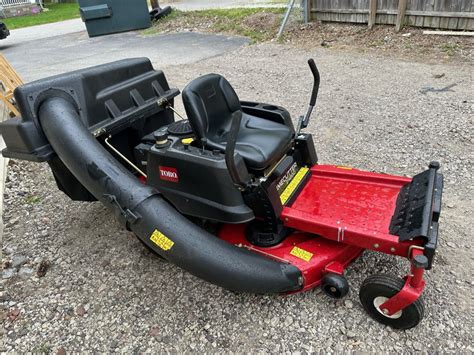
<point>262,25</point>
<point>262,21</point>
<point>258,24</point>
<point>410,43</point>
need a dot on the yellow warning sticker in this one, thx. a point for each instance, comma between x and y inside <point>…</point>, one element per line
<point>161,240</point>
<point>344,167</point>
<point>301,253</point>
<point>288,191</point>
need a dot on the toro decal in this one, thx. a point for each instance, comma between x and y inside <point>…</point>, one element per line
<point>169,174</point>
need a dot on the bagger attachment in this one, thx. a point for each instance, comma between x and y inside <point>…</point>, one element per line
<point>233,193</point>
<point>65,118</point>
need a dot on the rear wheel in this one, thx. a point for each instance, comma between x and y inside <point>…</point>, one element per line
<point>377,289</point>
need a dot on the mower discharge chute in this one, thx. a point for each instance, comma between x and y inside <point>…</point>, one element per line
<point>233,194</point>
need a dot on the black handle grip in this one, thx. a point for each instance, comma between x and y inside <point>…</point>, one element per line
<point>230,148</point>
<point>317,79</point>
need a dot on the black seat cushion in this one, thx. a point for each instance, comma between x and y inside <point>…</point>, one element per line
<point>209,102</point>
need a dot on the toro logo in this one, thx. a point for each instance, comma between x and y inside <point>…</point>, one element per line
<point>169,174</point>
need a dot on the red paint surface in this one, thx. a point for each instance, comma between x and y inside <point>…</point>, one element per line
<point>352,197</point>
<point>324,252</point>
<point>411,291</point>
<point>349,206</point>
<point>338,213</point>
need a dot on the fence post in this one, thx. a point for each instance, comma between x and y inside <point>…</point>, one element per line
<point>402,6</point>
<point>291,3</point>
<point>372,13</point>
<point>307,11</point>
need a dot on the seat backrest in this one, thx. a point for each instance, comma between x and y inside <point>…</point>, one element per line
<point>209,102</point>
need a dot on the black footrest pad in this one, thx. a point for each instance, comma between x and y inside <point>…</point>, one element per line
<point>417,206</point>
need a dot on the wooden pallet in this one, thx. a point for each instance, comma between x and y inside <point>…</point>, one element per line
<point>9,80</point>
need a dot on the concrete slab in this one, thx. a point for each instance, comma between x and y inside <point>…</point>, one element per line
<point>50,56</point>
<point>36,33</point>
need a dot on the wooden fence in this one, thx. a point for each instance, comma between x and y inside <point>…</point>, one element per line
<point>11,3</point>
<point>445,14</point>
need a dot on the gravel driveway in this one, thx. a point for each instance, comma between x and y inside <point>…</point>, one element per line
<point>104,291</point>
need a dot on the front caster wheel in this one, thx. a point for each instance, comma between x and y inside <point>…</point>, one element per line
<point>334,285</point>
<point>377,289</point>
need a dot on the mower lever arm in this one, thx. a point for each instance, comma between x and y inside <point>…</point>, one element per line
<point>317,79</point>
<point>303,121</point>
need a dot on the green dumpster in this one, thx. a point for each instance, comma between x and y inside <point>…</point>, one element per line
<point>111,16</point>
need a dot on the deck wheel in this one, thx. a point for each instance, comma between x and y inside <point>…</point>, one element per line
<point>377,289</point>
<point>334,285</point>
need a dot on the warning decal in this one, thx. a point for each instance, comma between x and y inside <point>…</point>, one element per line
<point>161,240</point>
<point>290,189</point>
<point>301,253</point>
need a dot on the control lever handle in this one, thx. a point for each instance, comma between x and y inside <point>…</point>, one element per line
<point>304,120</point>
<point>317,79</point>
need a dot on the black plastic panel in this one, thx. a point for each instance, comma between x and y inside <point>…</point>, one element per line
<point>417,210</point>
<point>270,112</point>
<point>200,184</point>
<point>109,98</point>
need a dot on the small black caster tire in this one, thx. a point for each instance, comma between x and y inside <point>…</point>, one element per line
<point>376,289</point>
<point>334,285</point>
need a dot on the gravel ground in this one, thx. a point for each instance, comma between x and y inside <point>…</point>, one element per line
<point>103,291</point>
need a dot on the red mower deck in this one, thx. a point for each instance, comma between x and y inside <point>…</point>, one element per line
<point>313,255</point>
<point>349,206</point>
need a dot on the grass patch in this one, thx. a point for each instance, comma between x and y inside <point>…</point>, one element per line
<point>258,24</point>
<point>449,48</point>
<point>55,13</point>
<point>33,199</point>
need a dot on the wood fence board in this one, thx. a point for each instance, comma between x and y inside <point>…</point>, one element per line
<point>435,22</point>
<point>444,14</point>
<point>453,23</point>
<point>418,21</point>
<point>372,13</point>
<point>443,22</point>
<point>466,6</point>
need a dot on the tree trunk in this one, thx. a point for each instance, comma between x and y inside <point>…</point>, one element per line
<point>154,4</point>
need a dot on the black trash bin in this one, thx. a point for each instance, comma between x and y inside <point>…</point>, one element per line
<point>111,16</point>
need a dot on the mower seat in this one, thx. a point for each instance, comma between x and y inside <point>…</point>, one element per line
<point>209,102</point>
